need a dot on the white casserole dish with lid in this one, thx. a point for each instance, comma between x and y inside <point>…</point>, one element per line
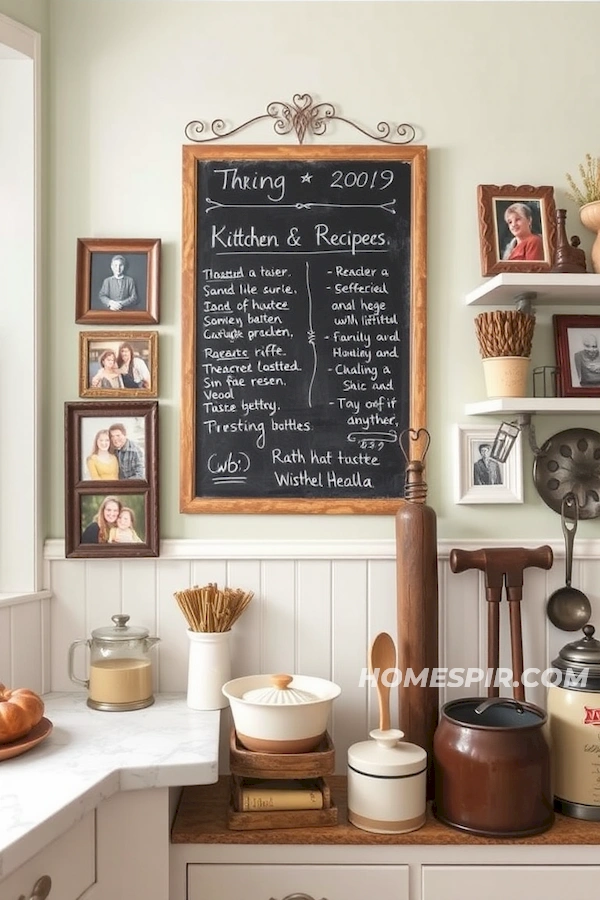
<point>280,713</point>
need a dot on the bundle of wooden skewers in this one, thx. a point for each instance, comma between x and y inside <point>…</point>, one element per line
<point>211,609</point>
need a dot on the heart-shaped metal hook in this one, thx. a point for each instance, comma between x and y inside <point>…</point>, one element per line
<point>414,435</point>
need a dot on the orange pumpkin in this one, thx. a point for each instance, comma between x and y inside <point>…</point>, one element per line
<point>20,711</point>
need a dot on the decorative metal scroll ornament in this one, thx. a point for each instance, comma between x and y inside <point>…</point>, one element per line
<point>304,117</point>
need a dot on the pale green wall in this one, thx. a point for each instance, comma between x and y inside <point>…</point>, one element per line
<point>32,13</point>
<point>500,93</point>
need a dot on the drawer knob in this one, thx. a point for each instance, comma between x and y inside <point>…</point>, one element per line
<point>41,889</point>
<point>295,897</point>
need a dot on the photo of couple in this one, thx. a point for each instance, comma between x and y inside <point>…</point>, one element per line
<point>112,519</point>
<point>115,456</point>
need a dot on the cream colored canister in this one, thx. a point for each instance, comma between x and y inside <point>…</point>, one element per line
<point>387,783</point>
<point>574,728</point>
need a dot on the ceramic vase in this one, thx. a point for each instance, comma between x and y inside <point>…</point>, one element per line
<point>506,376</point>
<point>209,667</point>
<point>590,217</point>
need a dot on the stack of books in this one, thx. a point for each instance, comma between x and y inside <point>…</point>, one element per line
<point>271,791</point>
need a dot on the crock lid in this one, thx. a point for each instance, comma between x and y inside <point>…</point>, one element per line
<point>279,693</point>
<point>387,755</point>
<point>584,652</point>
<point>120,631</point>
<point>577,657</point>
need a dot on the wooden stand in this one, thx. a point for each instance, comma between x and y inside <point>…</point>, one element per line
<point>249,767</point>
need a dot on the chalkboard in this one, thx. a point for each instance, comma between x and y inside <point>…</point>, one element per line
<point>304,315</point>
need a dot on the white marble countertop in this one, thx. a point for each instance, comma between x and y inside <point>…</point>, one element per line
<point>91,755</point>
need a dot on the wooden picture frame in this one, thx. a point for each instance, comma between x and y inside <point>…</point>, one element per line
<point>480,480</point>
<point>95,433</point>
<point>118,364</point>
<point>285,409</point>
<point>118,281</point>
<point>577,345</point>
<point>536,215</point>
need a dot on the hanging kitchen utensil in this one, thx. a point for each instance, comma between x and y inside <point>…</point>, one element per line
<point>417,598</point>
<point>568,608</point>
<point>569,462</point>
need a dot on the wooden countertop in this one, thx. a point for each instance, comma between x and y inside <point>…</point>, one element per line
<point>202,819</point>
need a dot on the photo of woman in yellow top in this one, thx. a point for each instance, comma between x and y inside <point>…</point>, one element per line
<point>102,465</point>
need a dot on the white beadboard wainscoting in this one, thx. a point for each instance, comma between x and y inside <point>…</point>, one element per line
<point>317,607</point>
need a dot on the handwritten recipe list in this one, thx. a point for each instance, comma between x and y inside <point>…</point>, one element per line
<point>302,327</point>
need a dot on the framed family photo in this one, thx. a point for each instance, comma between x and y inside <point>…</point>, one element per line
<point>517,228</point>
<point>481,479</point>
<point>111,479</point>
<point>118,364</point>
<point>577,344</point>
<point>118,281</point>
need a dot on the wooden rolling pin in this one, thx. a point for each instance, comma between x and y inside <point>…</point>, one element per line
<point>417,601</point>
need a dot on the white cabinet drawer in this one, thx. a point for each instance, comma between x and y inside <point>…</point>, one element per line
<point>500,882</point>
<point>69,861</point>
<point>269,882</point>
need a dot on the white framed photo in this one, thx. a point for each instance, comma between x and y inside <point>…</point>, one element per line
<point>480,479</point>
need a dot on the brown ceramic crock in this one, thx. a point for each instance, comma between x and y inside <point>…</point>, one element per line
<point>492,767</point>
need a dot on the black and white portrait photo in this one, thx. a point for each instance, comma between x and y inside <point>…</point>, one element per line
<point>577,345</point>
<point>481,478</point>
<point>117,281</point>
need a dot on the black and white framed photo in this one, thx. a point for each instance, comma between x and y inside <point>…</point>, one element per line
<point>118,281</point>
<point>577,343</point>
<point>481,479</point>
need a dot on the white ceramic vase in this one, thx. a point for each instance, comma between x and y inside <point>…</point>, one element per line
<point>209,667</point>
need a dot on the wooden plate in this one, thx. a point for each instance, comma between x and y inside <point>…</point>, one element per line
<point>37,734</point>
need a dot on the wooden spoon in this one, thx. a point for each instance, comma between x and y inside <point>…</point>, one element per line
<point>382,658</point>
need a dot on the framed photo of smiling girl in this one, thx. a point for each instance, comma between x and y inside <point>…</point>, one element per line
<point>517,228</point>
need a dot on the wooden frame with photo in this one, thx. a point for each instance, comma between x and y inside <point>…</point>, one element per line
<point>577,345</point>
<point>111,454</point>
<point>133,364</point>
<point>118,281</point>
<point>496,241</point>
<point>303,326</point>
<point>479,480</point>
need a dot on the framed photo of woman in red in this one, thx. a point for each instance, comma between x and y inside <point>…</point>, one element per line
<point>517,228</point>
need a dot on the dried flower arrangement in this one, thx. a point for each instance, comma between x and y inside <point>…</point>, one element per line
<point>504,333</point>
<point>589,173</point>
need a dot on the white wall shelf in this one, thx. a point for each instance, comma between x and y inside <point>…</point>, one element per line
<point>533,405</point>
<point>550,290</point>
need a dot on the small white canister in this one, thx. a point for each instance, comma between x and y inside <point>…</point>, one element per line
<point>387,783</point>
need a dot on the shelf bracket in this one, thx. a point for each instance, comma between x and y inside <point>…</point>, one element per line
<point>523,302</point>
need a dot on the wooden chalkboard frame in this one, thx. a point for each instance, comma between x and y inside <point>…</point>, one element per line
<point>416,156</point>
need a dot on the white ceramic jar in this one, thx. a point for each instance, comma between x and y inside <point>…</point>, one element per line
<point>387,783</point>
<point>573,721</point>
